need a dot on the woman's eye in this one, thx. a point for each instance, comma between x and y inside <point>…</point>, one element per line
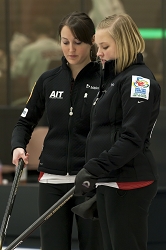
<point>66,43</point>
<point>78,42</point>
<point>105,47</point>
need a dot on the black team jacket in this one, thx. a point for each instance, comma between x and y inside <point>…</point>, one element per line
<point>67,105</point>
<point>122,121</point>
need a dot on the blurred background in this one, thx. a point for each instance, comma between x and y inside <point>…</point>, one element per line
<point>17,18</point>
<point>21,24</point>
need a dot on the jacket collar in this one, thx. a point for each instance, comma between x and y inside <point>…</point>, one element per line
<point>89,69</point>
<point>109,67</point>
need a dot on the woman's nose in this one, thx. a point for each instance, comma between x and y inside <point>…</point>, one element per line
<point>99,53</point>
<point>71,47</point>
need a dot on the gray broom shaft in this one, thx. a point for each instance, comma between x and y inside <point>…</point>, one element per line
<point>41,219</point>
<point>10,202</point>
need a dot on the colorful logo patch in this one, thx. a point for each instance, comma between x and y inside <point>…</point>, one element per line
<point>140,87</point>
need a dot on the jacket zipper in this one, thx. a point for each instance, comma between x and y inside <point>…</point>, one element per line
<point>69,129</point>
<point>98,97</point>
<point>68,158</point>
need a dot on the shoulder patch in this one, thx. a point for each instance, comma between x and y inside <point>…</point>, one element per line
<point>140,87</point>
<point>25,112</point>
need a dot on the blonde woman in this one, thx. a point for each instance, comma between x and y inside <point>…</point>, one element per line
<point>118,159</point>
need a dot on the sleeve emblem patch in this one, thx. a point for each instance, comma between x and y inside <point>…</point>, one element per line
<point>24,113</point>
<point>140,87</point>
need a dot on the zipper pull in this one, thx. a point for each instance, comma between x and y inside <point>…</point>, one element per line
<point>85,95</point>
<point>71,111</point>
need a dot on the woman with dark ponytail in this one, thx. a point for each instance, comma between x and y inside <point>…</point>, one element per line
<point>66,94</point>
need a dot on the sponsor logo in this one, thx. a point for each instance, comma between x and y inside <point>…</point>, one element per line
<point>141,82</point>
<point>140,87</point>
<point>56,94</point>
<point>140,101</point>
<point>25,112</point>
<point>91,87</point>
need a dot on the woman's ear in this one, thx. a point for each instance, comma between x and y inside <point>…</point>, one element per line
<point>93,39</point>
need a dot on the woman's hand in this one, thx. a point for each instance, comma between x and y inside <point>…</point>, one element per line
<point>20,153</point>
<point>84,182</point>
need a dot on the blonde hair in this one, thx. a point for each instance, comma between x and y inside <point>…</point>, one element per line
<point>127,37</point>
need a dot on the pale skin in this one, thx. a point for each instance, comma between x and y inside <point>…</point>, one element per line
<point>77,54</point>
<point>19,153</point>
<point>106,45</point>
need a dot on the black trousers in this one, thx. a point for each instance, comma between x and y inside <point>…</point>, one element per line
<point>123,216</point>
<point>56,232</point>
